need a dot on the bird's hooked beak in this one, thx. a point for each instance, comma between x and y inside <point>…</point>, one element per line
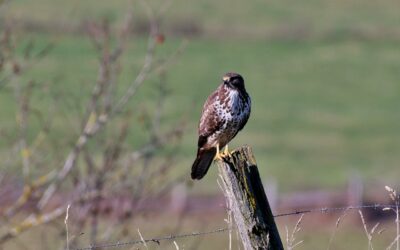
<point>226,79</point>
<point>228,82</point>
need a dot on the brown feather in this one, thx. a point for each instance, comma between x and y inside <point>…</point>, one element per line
<point>210,122</point>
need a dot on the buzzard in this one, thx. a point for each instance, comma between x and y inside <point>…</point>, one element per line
<point>224,114</point>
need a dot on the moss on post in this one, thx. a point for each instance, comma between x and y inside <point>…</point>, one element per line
<point>243,188</point>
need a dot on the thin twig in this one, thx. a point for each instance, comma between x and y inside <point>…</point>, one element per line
<point>143,241</point>
<point>228,220</point>
<point>290,240</point>
<point>393,242</point>
<point>336,228</point>
<point>30,222</point>
<point>66,225</point>
<point>370,233</point>
<point>396,199</point>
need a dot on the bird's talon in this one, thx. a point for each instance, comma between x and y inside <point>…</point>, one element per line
<point>218,157</point>
<point>219,154</point>
<point>227,152</point>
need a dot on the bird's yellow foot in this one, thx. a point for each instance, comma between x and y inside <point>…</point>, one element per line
<point>218,155</point>
<point>222,154</point>
<point>226,152</point>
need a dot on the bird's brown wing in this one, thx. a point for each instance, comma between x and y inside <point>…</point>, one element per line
<point>210,121</point>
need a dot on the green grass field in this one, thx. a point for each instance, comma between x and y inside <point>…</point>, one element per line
<point>324,105</point>
<point>320,109</point>
<point>324,77</point>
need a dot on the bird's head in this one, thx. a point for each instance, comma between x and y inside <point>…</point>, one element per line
<point>233,80</point>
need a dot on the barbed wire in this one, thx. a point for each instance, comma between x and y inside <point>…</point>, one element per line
<point>220,230</point>
<point>334,209</point>
<point>155,240</point>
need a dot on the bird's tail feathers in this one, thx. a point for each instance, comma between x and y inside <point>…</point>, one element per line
<point>202,163</point>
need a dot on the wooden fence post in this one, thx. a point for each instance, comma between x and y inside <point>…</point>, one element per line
<point>245,195</point>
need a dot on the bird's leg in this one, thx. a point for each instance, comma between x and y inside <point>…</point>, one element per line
<point>226,151</point>
<point>218,155</point>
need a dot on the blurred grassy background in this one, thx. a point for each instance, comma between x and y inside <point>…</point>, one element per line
<point>324,77</point>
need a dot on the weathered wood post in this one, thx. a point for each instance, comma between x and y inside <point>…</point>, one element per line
<point>245,195</point>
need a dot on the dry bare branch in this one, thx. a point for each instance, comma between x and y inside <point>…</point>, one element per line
<point>112,156</point>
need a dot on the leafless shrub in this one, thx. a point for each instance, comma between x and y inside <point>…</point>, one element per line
<point>86,178</point>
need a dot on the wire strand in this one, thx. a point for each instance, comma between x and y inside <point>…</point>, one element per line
<point>334,209</point>
<point>155,240</point>
<point>324,210</point>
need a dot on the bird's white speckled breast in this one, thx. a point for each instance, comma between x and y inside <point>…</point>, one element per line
<point>233,111</point>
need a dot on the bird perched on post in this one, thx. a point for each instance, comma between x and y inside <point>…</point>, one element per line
<point>224,114</point>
